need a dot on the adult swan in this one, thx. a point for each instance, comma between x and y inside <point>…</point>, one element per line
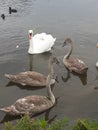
<point>40,43</point>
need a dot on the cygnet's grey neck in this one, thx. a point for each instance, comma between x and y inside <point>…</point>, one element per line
<point>69,51</point>
<point>49,91</point>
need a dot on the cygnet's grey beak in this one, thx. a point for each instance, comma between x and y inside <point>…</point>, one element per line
<point>64,44</point>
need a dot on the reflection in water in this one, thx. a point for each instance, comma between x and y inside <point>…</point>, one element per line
<point>31,62</point>
<point>49,120</point>
<point>43,56</point>
<point>9,118</point>
<point>12,118</point>
<point>97,75</point>
<point>96,79</point>
<point>83,78</point>
<point>67,77</point>
<point>24,87</point>
<point>97,69</point>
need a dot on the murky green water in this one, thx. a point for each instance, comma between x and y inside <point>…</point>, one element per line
<point>67,18</point>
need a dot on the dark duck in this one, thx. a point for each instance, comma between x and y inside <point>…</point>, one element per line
<point>12,10</point>
<point>3,16</point>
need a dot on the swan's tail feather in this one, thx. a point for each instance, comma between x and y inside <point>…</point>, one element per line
<point>5,109</point>
<point>9,76</point>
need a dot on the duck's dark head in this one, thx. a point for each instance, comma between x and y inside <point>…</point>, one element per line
<point>10,10</point>
<point>3,16</point>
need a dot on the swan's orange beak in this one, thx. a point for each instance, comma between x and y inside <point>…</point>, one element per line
<point>30,35</point>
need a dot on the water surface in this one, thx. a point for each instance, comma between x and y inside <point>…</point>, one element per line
<point>67,18</point>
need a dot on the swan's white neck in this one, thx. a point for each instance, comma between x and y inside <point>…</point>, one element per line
<point>31,47</point>
<point>31,42</point>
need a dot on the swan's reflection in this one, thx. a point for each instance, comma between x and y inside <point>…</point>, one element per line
<point>12,118</point>
<point>9,118</point>
<point>49,120</point>
<point>83,78</point>
<point>97,69</point>
<point>67,77</point>
<point>44,56</point>
<point>31,57</point>
<point>10,84</point>
<point>96,79</point>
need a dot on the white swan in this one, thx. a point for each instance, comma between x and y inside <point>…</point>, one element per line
<point>40,43</point>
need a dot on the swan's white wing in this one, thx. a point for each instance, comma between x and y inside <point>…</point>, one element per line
<point>42,42</point>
